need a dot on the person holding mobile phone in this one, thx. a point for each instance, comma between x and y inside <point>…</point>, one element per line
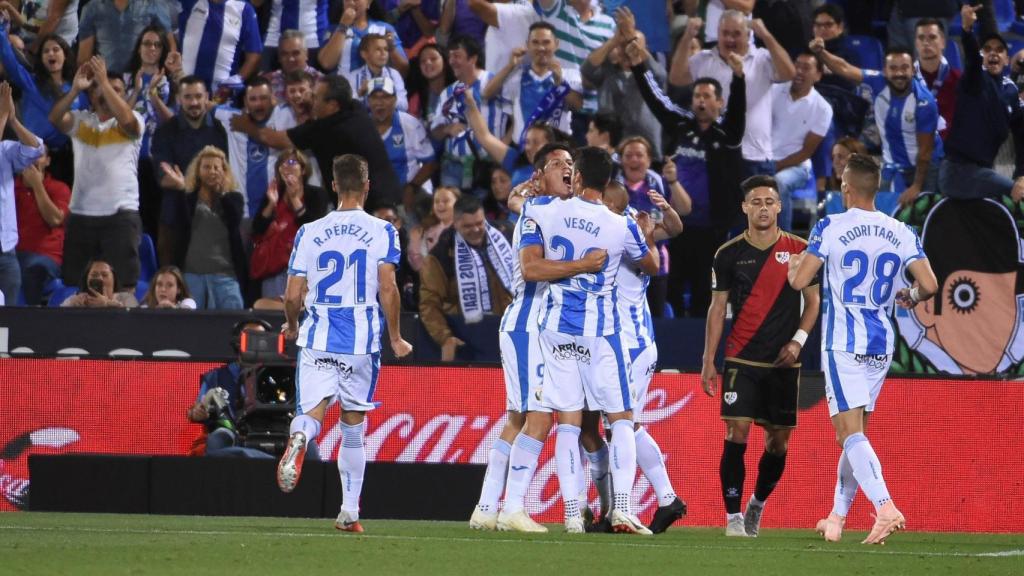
<point>97,289</point>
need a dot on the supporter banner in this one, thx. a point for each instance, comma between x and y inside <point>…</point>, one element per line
<point>975,324</point>
<point>949,461</point>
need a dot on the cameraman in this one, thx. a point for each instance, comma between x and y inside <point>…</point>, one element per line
<point>221,426</point>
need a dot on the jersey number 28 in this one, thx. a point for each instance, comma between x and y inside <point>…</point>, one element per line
<point>885,267</point>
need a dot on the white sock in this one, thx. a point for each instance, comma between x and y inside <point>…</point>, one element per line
<point>866,468</point>
<point>494,478</point>
<point>599,475</point>
<point>846,487</point>
<point>307,425</point>
<point>651,462</point>
<point>522,464</point>
<point>351,466</point>
<point>581,478</point>
<point>567,460</point>
<point>623,463</point>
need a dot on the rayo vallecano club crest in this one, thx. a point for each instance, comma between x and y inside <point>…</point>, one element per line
<point>782,257</point>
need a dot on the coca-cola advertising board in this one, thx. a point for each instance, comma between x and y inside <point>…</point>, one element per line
<point>948,457</point>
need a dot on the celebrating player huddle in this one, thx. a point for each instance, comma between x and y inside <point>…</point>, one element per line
<point>577,342</point>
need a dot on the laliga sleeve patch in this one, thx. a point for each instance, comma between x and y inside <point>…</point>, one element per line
<point>529,226</point>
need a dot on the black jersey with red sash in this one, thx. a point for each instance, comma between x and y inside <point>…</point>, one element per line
<point>766,310</point>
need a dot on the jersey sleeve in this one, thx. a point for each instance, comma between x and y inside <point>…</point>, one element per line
<point>394,252</point>
<point>721,271</point>
<point>250,35</point>
<point>874,80</point>
<point>529,233</point>
<point>635,246</point>
<point>910,246</point>
<point>297,261</point>
<point>927,116</point>
<point>816,244</point>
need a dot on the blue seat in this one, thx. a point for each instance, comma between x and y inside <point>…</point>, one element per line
<point>147,258</point>
<point>61,294</point>
<point>952,54</point>
<point>1015,46</point>
<point>1006,14</point>
<point>867,51</point>
<point>140,290</point>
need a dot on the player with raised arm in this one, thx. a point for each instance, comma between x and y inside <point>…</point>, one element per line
<point>638,340</point>
<point>515,452</point>
<point>762,368</point>
<point>344,266</point>
<point>863,252</point>
<point>584,361</point>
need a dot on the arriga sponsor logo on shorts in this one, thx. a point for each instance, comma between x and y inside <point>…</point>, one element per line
<point>340,367</point>
<point>571,351</point>
<point>876,361</point>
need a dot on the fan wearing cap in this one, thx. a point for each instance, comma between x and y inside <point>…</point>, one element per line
<point>987,107</point>
<point>373,49</point>
<point>405,139</point>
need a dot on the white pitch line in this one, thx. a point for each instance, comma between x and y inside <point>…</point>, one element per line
<point>603,542</point>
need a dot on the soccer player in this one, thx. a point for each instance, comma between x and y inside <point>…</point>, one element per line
<point>522,363</point>
<point>347,260</point>
<point>762,372</point>
<point>863,252</point>
<point>638,338</point>
<point>584,361</point>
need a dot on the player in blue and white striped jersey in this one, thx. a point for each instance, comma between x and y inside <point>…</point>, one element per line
<point>863,252</point>
<point>250,159</point>
<point>219,39</point>
<point>584,361</point>
<point>638,341</point>
<point>405,139</point>
<point>341,52</point>
<point>521,440</point>
<point>343,267</point>
<point>306,16</point>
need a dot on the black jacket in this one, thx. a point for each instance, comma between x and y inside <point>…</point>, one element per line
<point>230,209</point>
<point>720,144</point>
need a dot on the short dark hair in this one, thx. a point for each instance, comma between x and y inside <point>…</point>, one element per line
<point>710,82</point>
<point>817,59</point>
<point>192,79</point>
<point>297,76</point>
<point>609,124</point>
<point>111,75</point>
<point>899,51</point>
<point>540,159</point>
<point>867,171</point>
<point>338,89</point>
<point>256,82</point>
<point>467,204</point>
<point>542,25</point>
<point>467,44</point>
<point>929,21</point>
<point>758,181</point>
<point>594,166</point>
<point>833,11</point>
<point>351,173</point>
<point>549,132</point>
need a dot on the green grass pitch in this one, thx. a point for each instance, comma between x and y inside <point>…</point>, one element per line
<point>109,544</point>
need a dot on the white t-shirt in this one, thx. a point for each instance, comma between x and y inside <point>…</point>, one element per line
<point>712,18</point>
<point>106,165</point>
<point>792,119</point>
<point>514,20</point>
<point>759,74</point>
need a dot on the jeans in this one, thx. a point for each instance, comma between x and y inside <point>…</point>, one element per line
<point>10,277</point>
<point>789,180</point>
<point>37,270</point>
<point>966,181</point>
<point>214,291</point>
<point>758,167</point>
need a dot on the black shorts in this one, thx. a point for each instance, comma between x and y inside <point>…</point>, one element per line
<point>761,394</point>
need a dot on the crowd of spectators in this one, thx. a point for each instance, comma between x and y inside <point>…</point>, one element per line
<point>166,152</point>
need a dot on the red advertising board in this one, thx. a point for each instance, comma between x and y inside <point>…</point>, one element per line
<point>951,456</point>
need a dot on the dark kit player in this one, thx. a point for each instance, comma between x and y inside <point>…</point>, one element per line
<point>762,374</point>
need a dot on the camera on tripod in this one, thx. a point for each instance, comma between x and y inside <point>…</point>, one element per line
<point>268,363</point>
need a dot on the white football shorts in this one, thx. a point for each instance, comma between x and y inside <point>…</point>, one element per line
<point>853,380</point>
<point>643,364</point>
<point>346,378</point>
<point>590,372</point>
<point>523,365</point>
